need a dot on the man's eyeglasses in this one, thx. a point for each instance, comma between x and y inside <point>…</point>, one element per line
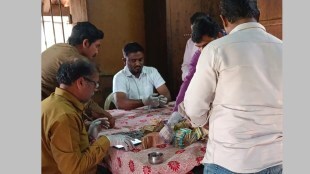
<point>90,80</point>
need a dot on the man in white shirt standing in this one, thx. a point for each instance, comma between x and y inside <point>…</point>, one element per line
<point>190,47</point>
<point>237,92</point>
<point>134,85</point>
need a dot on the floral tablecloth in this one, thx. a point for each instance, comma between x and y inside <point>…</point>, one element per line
<point>176,160</point>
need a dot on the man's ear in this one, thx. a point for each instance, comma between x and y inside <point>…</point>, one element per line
<point>124,60</point>
<point>80,83</point>
<point>224,21</point>
<point>85,43</point>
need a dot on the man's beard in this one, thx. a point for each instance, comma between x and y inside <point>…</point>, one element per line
<point>137,70</point>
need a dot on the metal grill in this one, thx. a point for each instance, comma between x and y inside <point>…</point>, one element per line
<point>56,23</point>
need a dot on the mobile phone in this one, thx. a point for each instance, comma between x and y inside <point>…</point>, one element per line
<point>134,142</point>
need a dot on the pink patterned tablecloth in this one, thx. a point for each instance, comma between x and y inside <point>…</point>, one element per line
<point>176,160</point>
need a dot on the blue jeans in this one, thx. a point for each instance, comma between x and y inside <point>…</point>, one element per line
<point>216,169</point>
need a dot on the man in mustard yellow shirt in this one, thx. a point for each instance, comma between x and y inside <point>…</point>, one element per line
<point>64,139</point>
<point>84,42</point>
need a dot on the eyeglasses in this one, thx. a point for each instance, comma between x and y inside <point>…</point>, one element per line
<point>90,80</point>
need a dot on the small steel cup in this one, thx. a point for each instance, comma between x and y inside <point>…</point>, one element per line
<point>156,157</point>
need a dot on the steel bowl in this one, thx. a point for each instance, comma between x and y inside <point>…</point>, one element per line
<point>155,157</point>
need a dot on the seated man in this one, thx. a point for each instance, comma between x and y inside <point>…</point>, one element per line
<point>134,85</point>
<point>84,42</point>
<point>64,138</point>
<point>205,30</point>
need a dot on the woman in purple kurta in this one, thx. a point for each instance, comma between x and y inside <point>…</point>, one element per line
<point>187,80</point>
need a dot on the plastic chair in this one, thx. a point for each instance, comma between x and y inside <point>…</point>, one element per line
<point>108,101</point>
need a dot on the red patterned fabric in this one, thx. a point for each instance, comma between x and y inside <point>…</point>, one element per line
<point>179,151</point>
<point>174,165</point>
<point>147,169</point>
<point>161,146</point>
<point>131,166</point>
<point>119,161</point>
<point>176,160</point>
<point>198,159</point>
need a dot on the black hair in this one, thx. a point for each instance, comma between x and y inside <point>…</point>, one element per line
<point>70,71</point>
<point>195,16</point>
<point>84,30</point>
<point>205,26</point>
<point>234,10</point>
<point>132,47</point>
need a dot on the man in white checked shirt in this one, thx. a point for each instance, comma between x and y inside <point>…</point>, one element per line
<point>237,90</point>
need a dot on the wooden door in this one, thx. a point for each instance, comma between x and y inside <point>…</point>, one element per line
<point>178,30</point>
<point>271,16</point>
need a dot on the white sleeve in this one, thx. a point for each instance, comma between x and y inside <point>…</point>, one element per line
<point>156,78</point>
<point>186,60</point>
<point>201,90</point>
<point>190,50</point>
<point>119,83</point>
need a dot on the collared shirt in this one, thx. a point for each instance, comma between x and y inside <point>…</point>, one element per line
<point>190,49</point>
<point>64,140</point>
<point>137,88</point>
<point>51,59</point>
<point>187,80</point>
<point>238,85</point>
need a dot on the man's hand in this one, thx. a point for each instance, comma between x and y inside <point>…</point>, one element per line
<point>162,100</point>
<point>123,140</point>
<point>97,125</point>
<point>166,133</point>
<point>151,100</point>
<point>105,114</point>
<point>175,118</point>
<point>112,122</point>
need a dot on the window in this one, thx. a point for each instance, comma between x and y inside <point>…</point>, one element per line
<point>62,28</point>
<point>58,18</point>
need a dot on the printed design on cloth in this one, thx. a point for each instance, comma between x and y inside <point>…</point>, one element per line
<point>119,161</point>
<point>136,150</point>
<point>149,115</point>
<point>161,146</point>
<point>146,169</point>
<point>131,166</point>
<point>131,117</point>
<point>124,122</point>
<point>180,151</point>
<point>198,159</point>
<point>203,149</point>
<point>174,165</point>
